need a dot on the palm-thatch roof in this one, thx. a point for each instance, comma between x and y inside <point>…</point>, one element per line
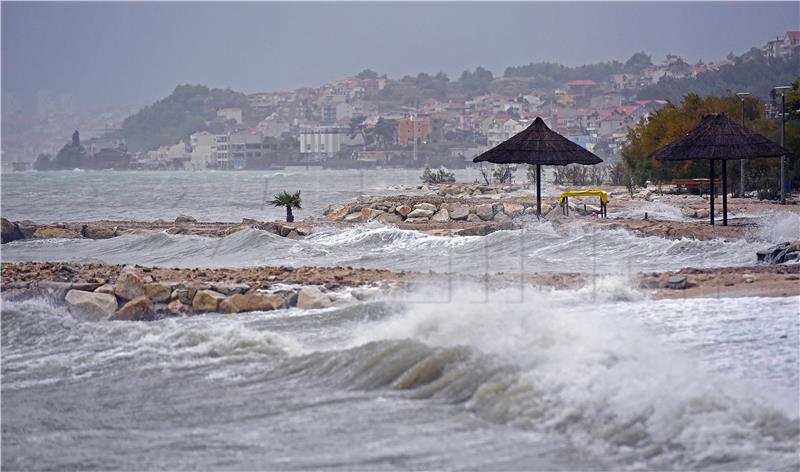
<point>538,144</point>
<point>719,137</point>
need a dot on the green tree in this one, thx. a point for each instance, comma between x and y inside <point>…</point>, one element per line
<point>367,74</point>
<point>288,200</point>
<point>671,122</point>
<point>386,130</point>
<point>638,62</point>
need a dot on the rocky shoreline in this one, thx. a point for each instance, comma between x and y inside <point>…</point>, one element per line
<point>134,293</point>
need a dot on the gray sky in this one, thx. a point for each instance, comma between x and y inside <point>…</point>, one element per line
<point>129,54</point>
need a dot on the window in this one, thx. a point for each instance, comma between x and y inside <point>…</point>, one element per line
<point>308,147</point>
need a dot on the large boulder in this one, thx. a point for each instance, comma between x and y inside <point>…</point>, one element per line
<point>338,215</point>
<point>94,305</point>
<point>27,228</point>
<point>51,232</point>
<point>459,211</point>
<point>93,231</point>
<point>207,300</point>
<point>389,218</point>
<point>441,216</point>
<point>421,219</point>
<point>138,309</point>
<point>513,209</point>
<point>312,297</point>
<point>253,301</point>
<point>228,288</point>
<point>157,292</point>
<point>501,217</point>
<point>10,231</point>
<point>129,285</point>
<point>425,206</point>
<point>352,217</point>
<point>183,219</point>
<point>403,210</point>
<point>473,218</point>
<point>176,308</point>
<point>420,213</point>
<point>484,211</point>
<point>369,214</point>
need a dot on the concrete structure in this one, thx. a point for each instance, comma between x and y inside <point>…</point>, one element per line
<point>322,141</point>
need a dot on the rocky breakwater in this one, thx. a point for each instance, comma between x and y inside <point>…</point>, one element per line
<point>461,217</point>
<point>132,293</point>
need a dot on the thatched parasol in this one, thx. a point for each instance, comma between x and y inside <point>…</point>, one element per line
<point>537,144</point>
<point>717,137</point>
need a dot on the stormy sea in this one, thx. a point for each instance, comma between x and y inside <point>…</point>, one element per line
<point>451,375</point>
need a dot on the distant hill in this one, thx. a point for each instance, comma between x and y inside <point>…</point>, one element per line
<point>757,76</point>
<point>187,109</point>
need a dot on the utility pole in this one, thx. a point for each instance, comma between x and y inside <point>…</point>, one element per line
<point>741,96</point>
<point>783,90</point>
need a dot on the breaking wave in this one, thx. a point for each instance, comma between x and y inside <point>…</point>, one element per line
<point>535,248</point>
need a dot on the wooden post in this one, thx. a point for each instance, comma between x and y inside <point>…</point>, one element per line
<point>538,190</point>
<point>724,193</point>
<point>711,188</point>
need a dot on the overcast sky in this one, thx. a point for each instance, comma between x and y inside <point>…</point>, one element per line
<point>129,54</point>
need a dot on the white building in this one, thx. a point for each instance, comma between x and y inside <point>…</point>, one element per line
<point>232,150</point>
<point>322,140</point>
<point>202,150</point>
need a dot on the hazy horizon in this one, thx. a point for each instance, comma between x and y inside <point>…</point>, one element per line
<point>125,55</point>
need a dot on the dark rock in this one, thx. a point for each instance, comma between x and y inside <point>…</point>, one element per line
<point>10,231</point>
<point>780,253</point>
<point>181,219</point>
<point>677,282</point>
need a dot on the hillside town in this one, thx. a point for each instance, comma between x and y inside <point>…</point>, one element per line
<point>369,120</point>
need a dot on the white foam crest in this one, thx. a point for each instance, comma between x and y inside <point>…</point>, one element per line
<point>602,379</point>
<point>779,226</point>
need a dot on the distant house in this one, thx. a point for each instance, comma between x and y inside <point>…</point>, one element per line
<point>232,150</point>
<point>228,114</point>
<point>582,88</point>
<point>405,129</point>
<point>791,43</point>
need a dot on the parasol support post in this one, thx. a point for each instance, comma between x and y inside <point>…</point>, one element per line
<point>538,190</point>
<point>724,193</point>
<point>711,189</point>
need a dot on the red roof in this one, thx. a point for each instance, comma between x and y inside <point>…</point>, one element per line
<point>794,36</point>
<point>580,82</point>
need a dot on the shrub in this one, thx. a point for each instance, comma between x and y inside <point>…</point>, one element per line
<point>440,176</point>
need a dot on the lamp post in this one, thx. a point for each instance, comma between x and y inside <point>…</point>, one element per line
<point>782,89</point>
<point>741,96</point>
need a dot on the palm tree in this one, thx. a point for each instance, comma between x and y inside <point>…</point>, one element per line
<point>289,200</point>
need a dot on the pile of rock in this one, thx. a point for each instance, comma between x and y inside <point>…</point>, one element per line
<point>136,296</point>
<point>463,190</point>
<point>393,211</point>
